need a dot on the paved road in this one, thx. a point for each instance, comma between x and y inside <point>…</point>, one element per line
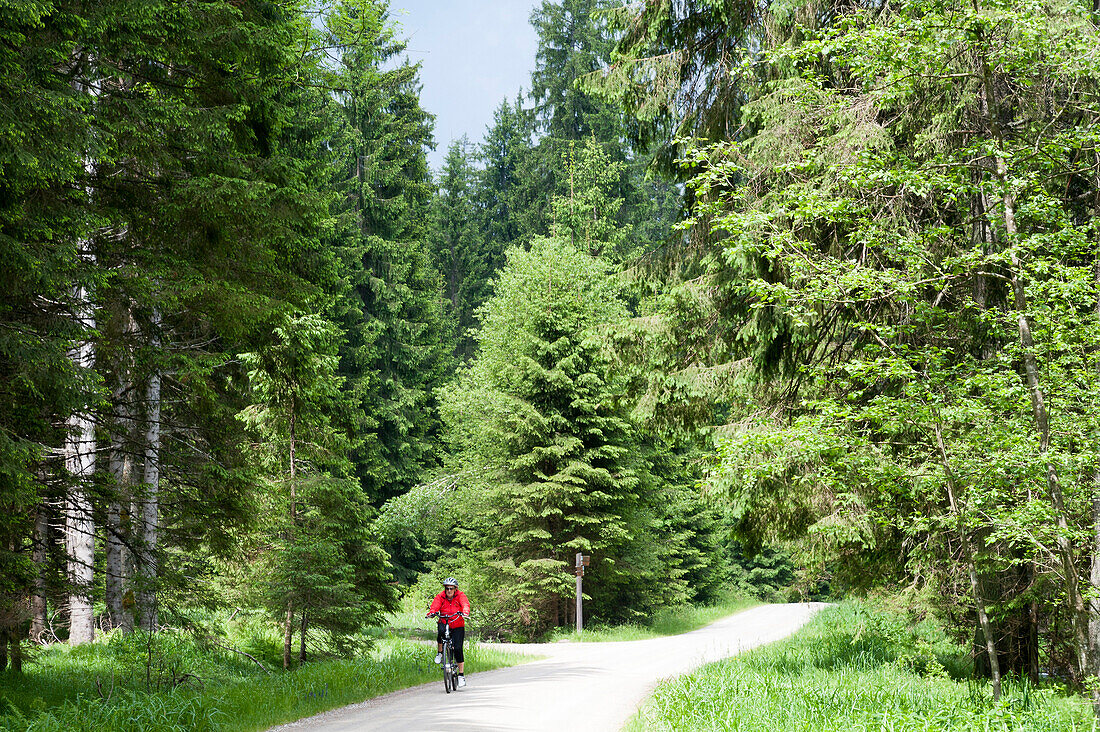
<point>581,687</point>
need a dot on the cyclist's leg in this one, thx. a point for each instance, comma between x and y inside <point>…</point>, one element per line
<point>457,636</point>
<point>438,641</point>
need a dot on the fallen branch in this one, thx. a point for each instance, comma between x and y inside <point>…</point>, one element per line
<point>246,655</point>
<point>99,685</point>
<point>185,677</point>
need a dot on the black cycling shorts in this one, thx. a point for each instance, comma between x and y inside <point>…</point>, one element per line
<point>457,636</point>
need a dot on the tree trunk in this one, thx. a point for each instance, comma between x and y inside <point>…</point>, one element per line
<point>117,569</point>
<point>150,509</point>
<point>1064,548</point>
<point>288,629</point>
<point>293,475</point>
<point>16,652</point>
<point>972,569</point>
<point>1094,601</point>
<point>302,646</point>
<point>1094,574</point>
<point>39,554</point>
<point>118,561</point>
<point>79,524</point>
<point>79,452</point>
<point>288,635</point>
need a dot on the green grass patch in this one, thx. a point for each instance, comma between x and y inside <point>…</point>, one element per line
<point>409,622</point>
<point>667,621</point>
<point>856,667</point>
<point>126,684</point>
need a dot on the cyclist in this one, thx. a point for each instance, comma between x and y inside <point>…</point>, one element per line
<point>451,601</point>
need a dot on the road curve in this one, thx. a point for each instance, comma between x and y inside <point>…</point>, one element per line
<point>586,687</point>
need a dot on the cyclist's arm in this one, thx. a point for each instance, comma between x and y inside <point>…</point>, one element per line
<point>465,604</point>
<point>435,606</point>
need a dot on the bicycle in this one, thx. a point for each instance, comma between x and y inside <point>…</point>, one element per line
<point>449,664</point>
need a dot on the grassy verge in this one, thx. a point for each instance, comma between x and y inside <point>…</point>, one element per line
<point>123,684</point>
<point>667,621</point>
<point>409,622</point>
<point>855,667</point>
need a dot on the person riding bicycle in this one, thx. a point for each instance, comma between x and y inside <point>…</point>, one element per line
<point>451,601</point>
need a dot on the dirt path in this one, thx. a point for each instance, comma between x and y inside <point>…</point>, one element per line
<point>582,687</point>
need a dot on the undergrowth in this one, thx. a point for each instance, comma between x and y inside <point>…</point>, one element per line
<point>666,621</point>
<point>857,667</point>
<point>195,682</point>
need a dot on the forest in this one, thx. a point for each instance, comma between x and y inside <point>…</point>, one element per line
<point>797,299</point>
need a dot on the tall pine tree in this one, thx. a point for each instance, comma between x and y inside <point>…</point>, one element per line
<point>399,347</point>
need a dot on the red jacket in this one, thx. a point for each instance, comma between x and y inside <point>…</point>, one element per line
<point>457,604</point>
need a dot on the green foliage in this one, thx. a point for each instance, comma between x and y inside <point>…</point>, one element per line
<point>314,554</point>
<point>239,191</point>
<point>102,686</point>
<point>898,267</point>
<point>767,575</point>
<point>398,346</point>
<point>682,70</point>
<point>573,41</point>
<point>41,220</point>
<point>586,215</point>
<point>542,414</point>
<point>854,667</point>
<point>465,256</point>
<point>419,525</point>
<point>187,166</point>
<point>160,175</point>
<point>663,622</point>
<point>503,154</point>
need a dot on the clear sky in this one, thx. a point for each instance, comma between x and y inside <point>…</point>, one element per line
<point>473,54</point>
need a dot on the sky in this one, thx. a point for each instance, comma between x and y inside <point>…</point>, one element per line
<point>473,54</point>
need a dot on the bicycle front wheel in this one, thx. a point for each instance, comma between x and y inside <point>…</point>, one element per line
<point>448,660</point>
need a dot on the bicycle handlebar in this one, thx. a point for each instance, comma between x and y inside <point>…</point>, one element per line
<point>447,616</point>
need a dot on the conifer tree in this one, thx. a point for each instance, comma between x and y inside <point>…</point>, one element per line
<point>398,347</point>
<point>502,156</point>
<point>575,41</point>
<point>459,248</point>
<point>586,214</point>
<point>199,257</point>
<point>319,568</point>
<point>187,174</point>
<point>553,427</point>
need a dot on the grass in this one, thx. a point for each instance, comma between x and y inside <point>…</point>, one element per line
<point>124,684</point>
<point>856,668</point>
<point>409,621</point>
<point>667,621</point>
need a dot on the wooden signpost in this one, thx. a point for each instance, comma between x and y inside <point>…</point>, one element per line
<point>582,562</point>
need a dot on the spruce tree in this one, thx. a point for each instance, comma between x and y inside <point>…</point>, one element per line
<point>575,42</point>
<point>317,566</point>
<point>43,217</point>
<point>553,429</point>
<point>399,347</point>
<point>458,245</point>
<point>177,189</point>
<point>502,154</point>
